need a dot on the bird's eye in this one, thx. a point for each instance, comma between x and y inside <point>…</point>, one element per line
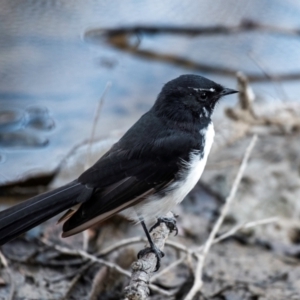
<point>203,96</point>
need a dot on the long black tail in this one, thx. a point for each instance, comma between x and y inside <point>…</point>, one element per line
<point>30,213</point>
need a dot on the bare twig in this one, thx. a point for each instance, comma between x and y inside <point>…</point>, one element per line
<point>79,272</point>
<point>110,265</point>
<point>244,112</point>
<point>155,288</point>
<point>230,197</point>
<point>138,288</point>
<point>169,267</point>
<point>121,244</point>
<point>96,118</point>
<point>84,254</point>
<point>246,95</point>
<point>201,256</point>
<point>238,227</point>
<point>222,237</point>
<point>137,240</point>
<point>180,247</point>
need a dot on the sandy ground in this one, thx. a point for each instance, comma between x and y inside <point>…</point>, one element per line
<point>258,263</point>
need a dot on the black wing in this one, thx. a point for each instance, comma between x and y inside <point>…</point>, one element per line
<point>143,162</point>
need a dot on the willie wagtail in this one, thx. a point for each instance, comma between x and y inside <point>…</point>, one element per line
<point>145,174</point>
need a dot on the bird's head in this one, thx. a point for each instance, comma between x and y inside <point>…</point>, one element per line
<point>190,97</point>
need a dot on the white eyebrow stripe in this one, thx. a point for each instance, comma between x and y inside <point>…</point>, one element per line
<point>206,90</point>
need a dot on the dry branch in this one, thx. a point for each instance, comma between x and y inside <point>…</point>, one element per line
<point>110,265</point>
<point>90,257</point>
<point>142,269</point>
<point>121,244</point>
<point>96,118</point>
<point>244,112</point>
<point>74,281</point>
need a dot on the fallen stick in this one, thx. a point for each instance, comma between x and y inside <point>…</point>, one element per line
<point>142,269</point>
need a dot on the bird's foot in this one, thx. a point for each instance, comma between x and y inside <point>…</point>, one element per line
<point>170,223</point>
<point>152,249</point>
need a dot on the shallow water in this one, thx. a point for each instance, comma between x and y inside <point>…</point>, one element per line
<point>52,75</point>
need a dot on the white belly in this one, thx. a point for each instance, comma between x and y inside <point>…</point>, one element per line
<point>155,205</point>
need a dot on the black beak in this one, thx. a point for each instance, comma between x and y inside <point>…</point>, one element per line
<point>226,91</point>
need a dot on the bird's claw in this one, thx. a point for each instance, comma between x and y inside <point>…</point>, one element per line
<point>170,223</point>
<point>152,249</point>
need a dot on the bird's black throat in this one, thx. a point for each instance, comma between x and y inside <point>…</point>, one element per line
<point>182,111</point>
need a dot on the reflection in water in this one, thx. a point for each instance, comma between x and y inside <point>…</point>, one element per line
<point>11,120</point>
<point>38,118</point>
<point>45,62</point>
<point>21,129</point>
<point>129,39</point>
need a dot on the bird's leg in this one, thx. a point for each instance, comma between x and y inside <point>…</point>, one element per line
<point>152,249</point>
<point>170,223</point>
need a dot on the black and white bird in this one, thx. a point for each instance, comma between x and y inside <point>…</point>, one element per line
<point>145,174</point>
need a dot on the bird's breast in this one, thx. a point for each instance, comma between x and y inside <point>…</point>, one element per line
<point>193,169</point>
<point>208,135</point>
<point>189,175</point>
<point>197,161</point>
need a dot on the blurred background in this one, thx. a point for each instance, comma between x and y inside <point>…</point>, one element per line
<point>57,56</point>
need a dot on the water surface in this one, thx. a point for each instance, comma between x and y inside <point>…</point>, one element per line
<point>52,76</point>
